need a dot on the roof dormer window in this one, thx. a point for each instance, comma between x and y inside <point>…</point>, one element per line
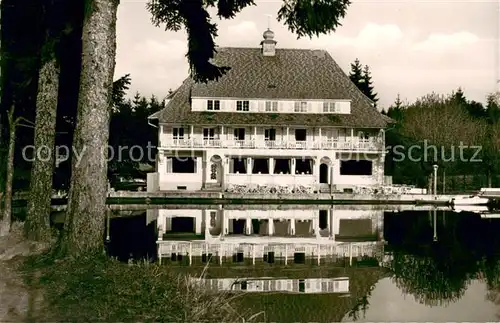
<point>331,107</point>
<point>271,106</point>
<point>242,105</point>
<point>213,105</point>
<point>300,106</point>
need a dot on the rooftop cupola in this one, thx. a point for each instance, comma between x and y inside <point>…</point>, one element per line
<point>268,44</point>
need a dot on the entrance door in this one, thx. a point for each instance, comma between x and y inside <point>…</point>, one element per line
<point>323,174</point>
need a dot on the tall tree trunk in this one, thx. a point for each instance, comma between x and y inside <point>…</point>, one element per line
<point>84,227</point>
<point>5,224</point>
<point>37,225</point>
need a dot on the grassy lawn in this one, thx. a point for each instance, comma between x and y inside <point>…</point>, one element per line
<point>96,288</point>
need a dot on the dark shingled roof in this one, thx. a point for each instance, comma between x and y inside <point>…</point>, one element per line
<point>290,74</point>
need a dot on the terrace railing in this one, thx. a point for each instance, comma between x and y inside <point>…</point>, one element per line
<point>373,144</point>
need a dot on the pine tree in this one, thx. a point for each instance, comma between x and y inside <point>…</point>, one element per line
<point>398,103</point>
<point>493,108</point>
<point>356,74</point>
<point>367,85</point>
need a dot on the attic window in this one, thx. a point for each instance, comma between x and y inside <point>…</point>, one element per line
<point>300,106</point>
<point>331,107</point>
<point>242,105</point>
<point>213,105</point>
<point>271,106</point>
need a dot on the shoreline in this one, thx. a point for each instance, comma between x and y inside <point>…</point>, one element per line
<point>205,198</point>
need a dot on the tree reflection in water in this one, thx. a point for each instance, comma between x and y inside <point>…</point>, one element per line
<point>438,272</point>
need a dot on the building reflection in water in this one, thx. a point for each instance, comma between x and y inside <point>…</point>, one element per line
<point>285,236</point>
<point>307,286</point>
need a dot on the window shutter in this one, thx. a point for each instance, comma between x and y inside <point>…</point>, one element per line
<point>169,165</point>
<point>252,106</point>
<point>262,106</point>
<point>281,107</point>
<point>222,105</point>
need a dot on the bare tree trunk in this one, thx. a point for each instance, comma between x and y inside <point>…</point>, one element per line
<point>37,225</point>
<point>88,190</point>
<point>5,225</point>
<point>429,183</point>
<point>489,177</point>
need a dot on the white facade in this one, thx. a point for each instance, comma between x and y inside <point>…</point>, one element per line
<point>222,156</point>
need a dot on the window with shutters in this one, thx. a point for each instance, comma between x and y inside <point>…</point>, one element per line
<point>271,106</point>
<point>213,105</point>
<point>329,107</point>
<point>243,106</point>
<point>300,106</point>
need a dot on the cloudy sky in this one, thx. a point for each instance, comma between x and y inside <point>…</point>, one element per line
<point>413,47</point>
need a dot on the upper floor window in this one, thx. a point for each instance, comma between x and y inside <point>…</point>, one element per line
<point>331,107</point>
<point>363,135</point>
<point>242,105</point>
<point>300,106</point>
<point>271,106</point>
<point>213,105</point>
<point>178,133</point>
<point>208,133</point>
<point>270,134</point>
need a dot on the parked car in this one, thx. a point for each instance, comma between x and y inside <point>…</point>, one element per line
<point>128,184</point>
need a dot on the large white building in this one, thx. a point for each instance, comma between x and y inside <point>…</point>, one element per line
<point>279,117</point>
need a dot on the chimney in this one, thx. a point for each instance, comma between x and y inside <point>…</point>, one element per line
<point>268,44</point>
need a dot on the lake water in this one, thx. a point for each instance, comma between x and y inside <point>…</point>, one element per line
<point>374,264</point>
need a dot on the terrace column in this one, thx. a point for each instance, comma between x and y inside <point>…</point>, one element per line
<point>380,227</point>
<point>271,165</point>
<point>191,136</point>
<point>315,223</point>
<point>224,225</point>
<point>206,214</point>
<point>292,166</point>
<point>225,172</point>
<point>331,224</point>
<point>249,166</point>
<point>221,135</point>
<point>198,224</point>
<point>320,139</point>
<point>292,227</point>
<point>315,170</point>
<point>248,226</point>
<point>255,144</point>
<point>287,136</point>
<point>270,227</point>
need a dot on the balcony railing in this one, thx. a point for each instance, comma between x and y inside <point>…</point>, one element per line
<point>348,144</point>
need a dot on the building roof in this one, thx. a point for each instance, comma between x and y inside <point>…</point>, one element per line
<point>290,74</point>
